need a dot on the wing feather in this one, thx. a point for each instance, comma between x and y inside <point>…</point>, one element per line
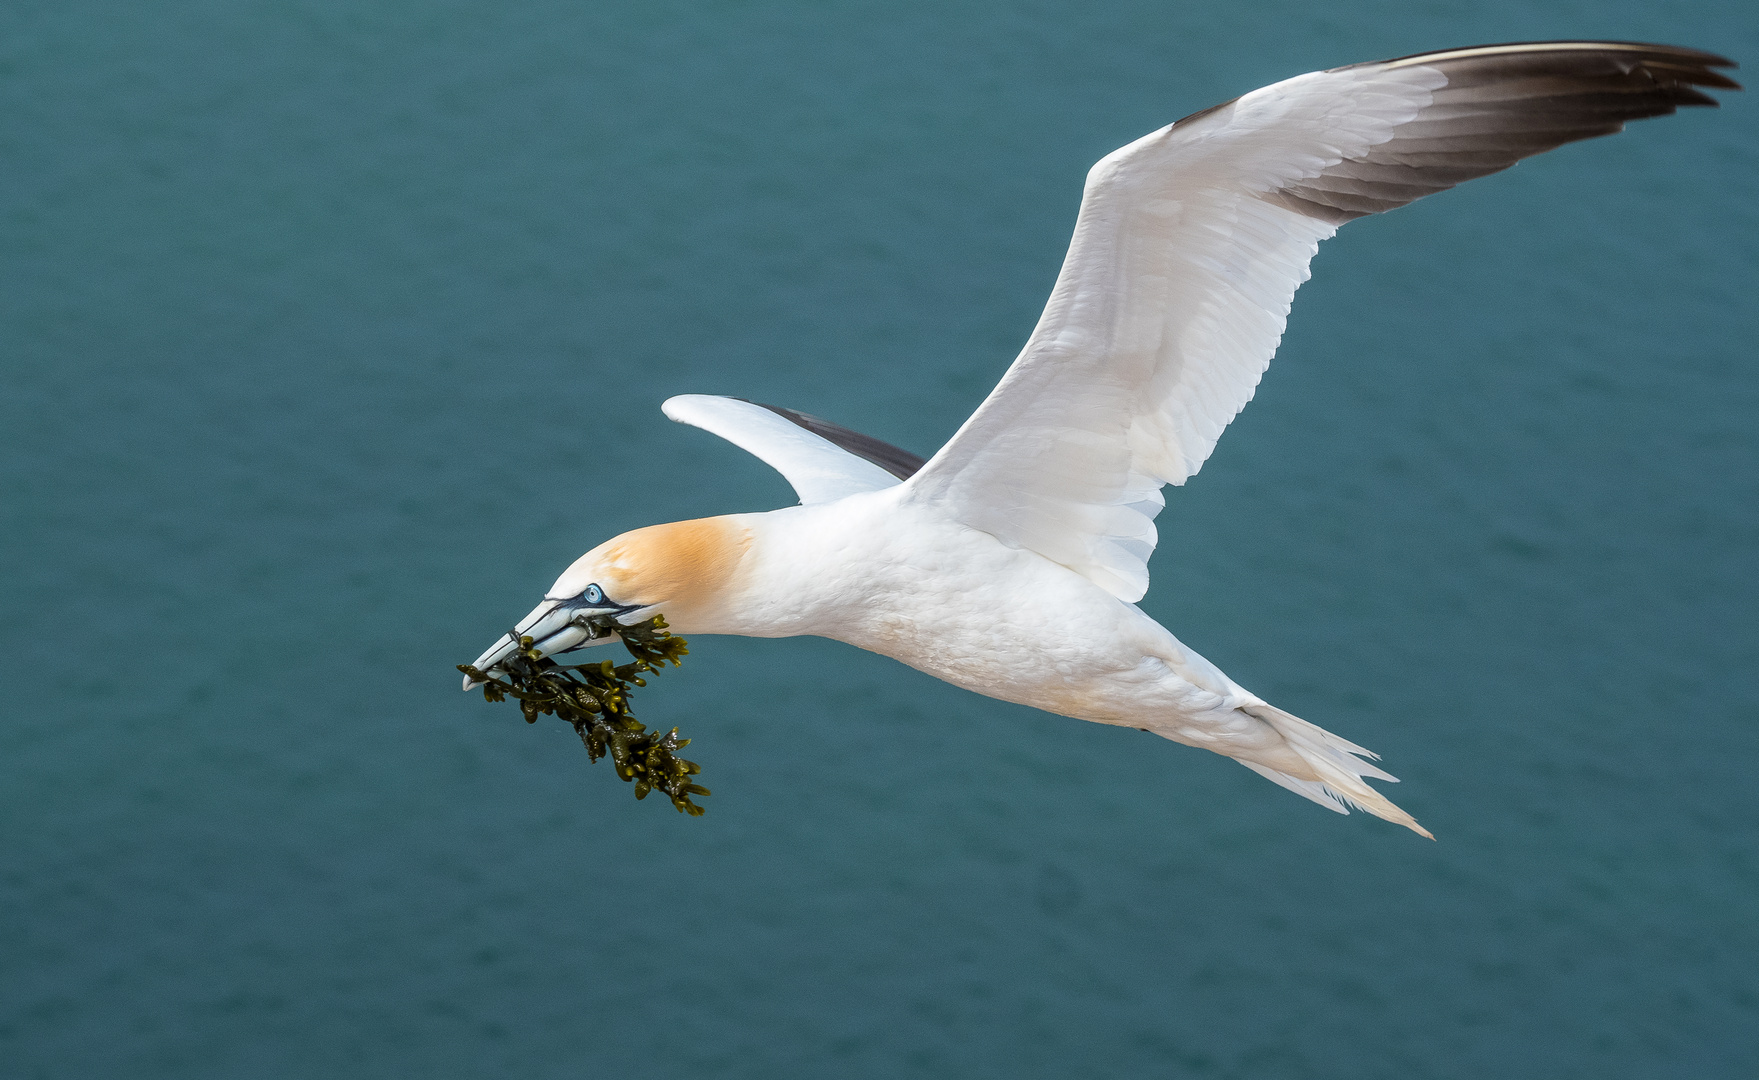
<point>1187,253</point>
<point>820,459</point>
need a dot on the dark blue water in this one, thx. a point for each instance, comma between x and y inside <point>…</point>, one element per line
<point>330,332</point>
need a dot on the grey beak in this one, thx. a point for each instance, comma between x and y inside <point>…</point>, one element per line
<point>552,629</point>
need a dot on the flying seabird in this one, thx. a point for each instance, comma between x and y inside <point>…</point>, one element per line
<point>1010,562</point>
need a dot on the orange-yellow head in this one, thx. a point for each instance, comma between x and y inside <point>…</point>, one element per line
<point>686,571</point>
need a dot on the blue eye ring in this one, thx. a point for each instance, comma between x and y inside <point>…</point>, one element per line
<point>593,595</point>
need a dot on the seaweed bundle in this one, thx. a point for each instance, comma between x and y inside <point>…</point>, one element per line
<point>594,698</point>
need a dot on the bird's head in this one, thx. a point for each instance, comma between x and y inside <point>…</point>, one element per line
<point>685,571</point>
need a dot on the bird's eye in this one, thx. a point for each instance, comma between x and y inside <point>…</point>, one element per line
<point>593,595</point>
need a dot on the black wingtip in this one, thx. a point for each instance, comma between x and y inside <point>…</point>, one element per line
<point>1694,59</point>
<point>1674,66</point>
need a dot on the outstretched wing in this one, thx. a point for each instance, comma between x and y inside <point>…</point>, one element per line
<point>1190,244</point>
<point>822,461</point>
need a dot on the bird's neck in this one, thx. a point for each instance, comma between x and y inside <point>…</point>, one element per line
<point>799,570</point>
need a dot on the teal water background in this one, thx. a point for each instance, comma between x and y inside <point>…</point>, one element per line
<point>332,331</point>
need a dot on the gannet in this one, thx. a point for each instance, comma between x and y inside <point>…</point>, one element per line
<point>1010,562</point>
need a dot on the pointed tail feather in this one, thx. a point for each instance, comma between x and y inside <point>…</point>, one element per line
<point>1337,766</point>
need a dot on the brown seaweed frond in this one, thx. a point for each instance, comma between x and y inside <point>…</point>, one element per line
<point>594,698</point>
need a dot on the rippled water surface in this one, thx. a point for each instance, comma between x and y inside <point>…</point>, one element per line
<point>332,331</point>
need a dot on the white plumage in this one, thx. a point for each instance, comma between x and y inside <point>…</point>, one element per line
<point>1009,563</point>
<point>1171,301</point>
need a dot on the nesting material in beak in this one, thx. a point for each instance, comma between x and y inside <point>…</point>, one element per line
<point>594,698</point>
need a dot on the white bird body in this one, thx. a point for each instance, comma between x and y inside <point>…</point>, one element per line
<point>887,572</point>
<point>883,572</point>
<point>1009,564</point>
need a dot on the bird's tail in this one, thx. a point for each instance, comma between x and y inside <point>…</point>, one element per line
<point>1336,765</point>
